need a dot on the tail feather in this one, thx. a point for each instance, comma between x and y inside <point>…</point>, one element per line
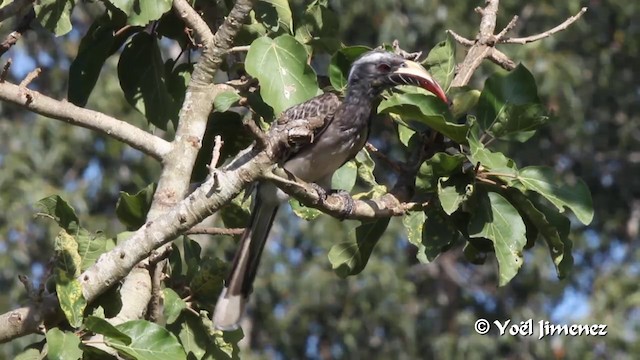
<point>239,284</point>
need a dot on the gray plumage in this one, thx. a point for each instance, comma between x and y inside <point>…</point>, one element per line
<point>344,131</point>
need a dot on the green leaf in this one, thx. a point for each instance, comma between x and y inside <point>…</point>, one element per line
<point>453,192</point>
<point>575,196</point>
<point>149,341</point>
<point>303,212</point>
<point>225,344</point>
<point>345,177</point>
<point>494,161</point>
<point>140,12</point>
<point>319,28</point>
<point>496,219</point>
<point>341,64</point>
<point>502,91</point>
<point>519,122</point>
<point>71,301</point>
<point>553,228</point>
<point>441,62</point>
<point>101,41</point>
<point>413,223</point>
<point>55,15</point>
<point>350,258</point>
<point>425,110</point>
<point>275,15</point>
<point>61,212</point>
<point>438,233</point>
<point>280,65</point>
<point>132,209</point>
<point>29,354</point>
<point>192,251</point>
<point>192,333</point>
<point>62,345</point>
<point>439,165</point>
<point>90,247</point>
<point>236,213</point>
<point>366,165</point>
<point>207,283</point>
<point>404,134</point>
<point>173,305</point>
<point>225,100</point>
<point>102,326</point>
<point>142,78</point>
<point>463,99</point>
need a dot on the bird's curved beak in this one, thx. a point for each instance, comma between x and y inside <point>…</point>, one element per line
<point>412,73</point>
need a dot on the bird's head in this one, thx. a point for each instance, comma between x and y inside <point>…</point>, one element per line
<point>377,70</point>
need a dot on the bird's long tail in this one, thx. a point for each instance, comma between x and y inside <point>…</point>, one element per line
<point>234,296</point>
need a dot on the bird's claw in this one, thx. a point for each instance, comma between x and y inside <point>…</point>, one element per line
<point>347,200</point>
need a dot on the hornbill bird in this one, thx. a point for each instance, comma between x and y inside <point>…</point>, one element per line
<point>344,132</point>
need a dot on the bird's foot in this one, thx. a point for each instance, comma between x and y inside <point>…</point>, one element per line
<point>347,200</point>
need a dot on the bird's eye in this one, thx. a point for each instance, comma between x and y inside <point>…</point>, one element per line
<point>384,67</point>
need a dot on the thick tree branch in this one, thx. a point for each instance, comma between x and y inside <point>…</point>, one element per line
<point>67,112</point>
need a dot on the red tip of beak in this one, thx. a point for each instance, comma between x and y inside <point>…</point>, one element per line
<point>435,88</point>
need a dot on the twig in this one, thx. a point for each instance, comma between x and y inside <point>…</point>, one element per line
<point>405,54</point>
<point>29,78</point>
<point>258,134</point>
<point>5,71</point>
<point>193,20</point>
<point>239,48</point>
<point>214,231</point>
<point>65,111</point>
<point>502,60</point>
<point>377,153</point>
<point>528,39</point>
<point>461,39</point>
<point>217,147</point>
<point>154,310</point>
<point>507,28</point>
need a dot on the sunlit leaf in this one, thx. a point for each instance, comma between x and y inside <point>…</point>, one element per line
<point>149,341</point>
<point>140,12</point>
<point>62,345</point>
<point>417,110</point>
<point>439,165</point>
<point>173,305</point>
<point>453,192</point>
<point>280,65</point>
<point>61,212</point>
<point>553,228</point>
<point>275,15</point>
<point>463,99</point>
<point>441,62</point>
<point>345,177</point>
<point>497,162</point>
<point>54,15</point>
<point>545,182</point>
<point>496,219</point>
<point>102,326</point>
<point>225,100</point>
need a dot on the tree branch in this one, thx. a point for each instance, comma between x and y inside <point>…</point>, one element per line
<point>22,26</point>
<point>193,20</point>
<point>13,8</point>
<point>528,39</point>
<point>97,121</point>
